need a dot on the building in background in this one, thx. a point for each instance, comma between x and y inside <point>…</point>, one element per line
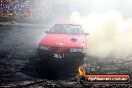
<point>36,11</point>
<point>15,10</point>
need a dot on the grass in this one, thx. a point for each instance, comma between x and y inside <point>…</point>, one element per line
<point>17,24</point>
<point>5,23</point>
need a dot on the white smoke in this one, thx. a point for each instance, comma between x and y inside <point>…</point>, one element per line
<point>110,34</point>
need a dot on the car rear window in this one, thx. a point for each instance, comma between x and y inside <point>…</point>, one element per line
<point>67,29</point>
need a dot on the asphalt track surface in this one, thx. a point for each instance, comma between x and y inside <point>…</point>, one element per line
<point>18,60</point>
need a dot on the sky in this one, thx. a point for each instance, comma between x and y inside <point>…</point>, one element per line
<point>59,9</point>
<point>102,6</point>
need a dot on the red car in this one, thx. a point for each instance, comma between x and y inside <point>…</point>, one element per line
<point>64,43</point>
<point>63,40</point>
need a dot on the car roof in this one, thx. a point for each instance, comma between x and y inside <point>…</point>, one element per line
<point>69,22</point>
<point>66,24</point>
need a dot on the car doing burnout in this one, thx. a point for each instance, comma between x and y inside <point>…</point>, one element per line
<point>64,41</point>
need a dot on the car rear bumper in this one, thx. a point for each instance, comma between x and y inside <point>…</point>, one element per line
<point>69,56</point>
<point>46,53</point>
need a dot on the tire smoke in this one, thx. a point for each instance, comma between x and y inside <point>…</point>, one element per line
<point>110,34</point>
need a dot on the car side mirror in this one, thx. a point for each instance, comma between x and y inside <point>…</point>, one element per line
<point>86,34</point>
<point>47,32</point>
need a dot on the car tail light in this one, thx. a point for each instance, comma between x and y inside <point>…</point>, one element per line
<point>76,50</point>
<point>44,47</point>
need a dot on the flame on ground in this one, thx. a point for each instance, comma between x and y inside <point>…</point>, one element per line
<point>82,71</point>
